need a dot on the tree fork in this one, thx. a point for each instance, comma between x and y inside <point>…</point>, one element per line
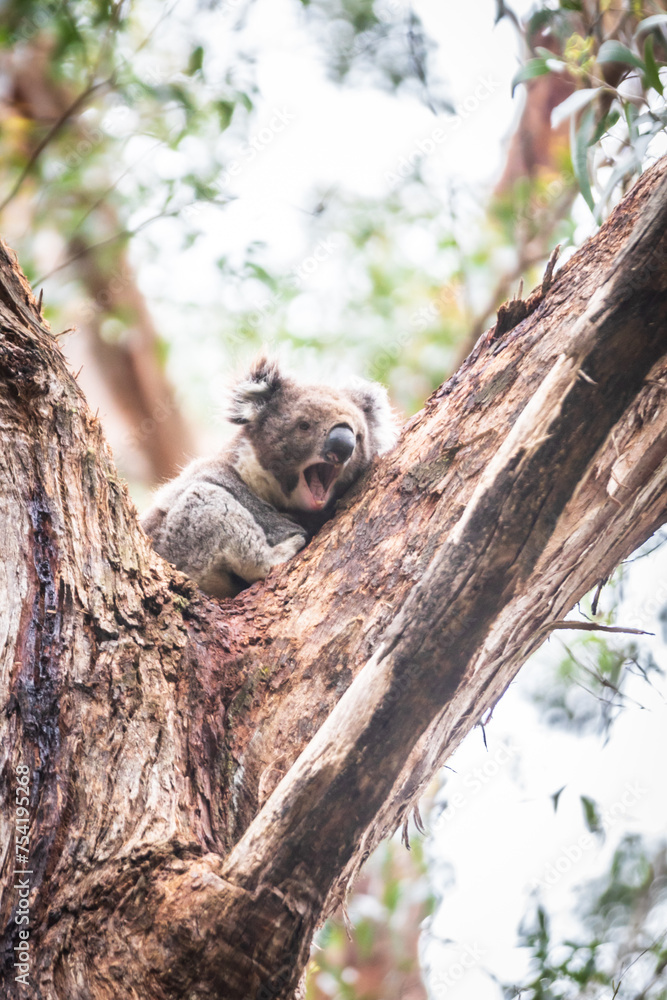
<point>156,724</point>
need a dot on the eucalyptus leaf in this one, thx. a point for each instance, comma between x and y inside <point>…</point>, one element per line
<point>649,23</point>
<point>225,111</point>
<point>592,816</point>
<point>196,60</point>
<point>613,51</point>
<point>575,102</point>
<point>556,796</point>
<point>631,116</point>
<point>652,73</point>
<point>553,61</point>
<point>533,68</point>
<point>605,125</point>
<point>580,139</point>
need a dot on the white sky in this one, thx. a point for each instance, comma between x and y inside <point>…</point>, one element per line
<point>352,138</point>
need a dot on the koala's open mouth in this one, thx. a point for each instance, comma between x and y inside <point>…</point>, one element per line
<point>320,477</point>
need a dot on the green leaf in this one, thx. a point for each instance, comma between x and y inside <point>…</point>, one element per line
<point>631,114</point>
<point>575,102</point>
<point>580,139</point>
<point>533,68</point>
<point>245,100</point>
<point>392,894</point>
<point>180,94</point>
<point>649,23</point>
<point>613,51</point>
<point>652,74</point>
<point>538,20</point>
<point>261,273</point>
<point>196,60</point>
<point>225,111</point>
<point>605,125</point>
<point>592,816</point>
<point>552,60</point>
<point>556,796</point>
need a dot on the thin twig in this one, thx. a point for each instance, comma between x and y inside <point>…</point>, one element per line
<point>121,234</point>
<point>163,17</point>
<point>590,627</point>
<point>105,193</point>
<point>53,131</point>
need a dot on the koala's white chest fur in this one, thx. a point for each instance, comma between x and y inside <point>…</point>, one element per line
<point>258,479</point>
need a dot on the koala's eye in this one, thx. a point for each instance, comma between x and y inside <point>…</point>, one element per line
<point>303,425</point>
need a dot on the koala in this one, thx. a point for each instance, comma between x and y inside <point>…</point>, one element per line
<point>226,521</point>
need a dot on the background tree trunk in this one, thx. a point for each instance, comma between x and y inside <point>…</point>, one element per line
<point>140,396</point>
<point>155,724</point>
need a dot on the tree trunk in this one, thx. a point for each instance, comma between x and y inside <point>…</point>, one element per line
<point>154,725</point>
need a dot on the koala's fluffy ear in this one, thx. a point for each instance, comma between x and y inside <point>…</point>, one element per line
<point>254,391</point>
<point>372,399</point>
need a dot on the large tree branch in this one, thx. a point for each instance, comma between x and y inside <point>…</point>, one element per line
<point>157,723</point>
<point>320,813</point>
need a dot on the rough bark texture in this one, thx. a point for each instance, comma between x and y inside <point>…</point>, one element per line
<point>156,724</point>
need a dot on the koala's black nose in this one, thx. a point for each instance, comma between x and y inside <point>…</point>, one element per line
<point>339,444</point>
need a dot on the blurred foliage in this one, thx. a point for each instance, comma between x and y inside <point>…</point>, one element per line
<point>101,110</point>
<point>616,56</point>
<point>151,107</point>
<point>400,323</point>
<point>585,692</point>
<point>118,116</point>
<point>371,953</point>
<point>584,689</point>
<point>381,42</point>
<point>621,950</point>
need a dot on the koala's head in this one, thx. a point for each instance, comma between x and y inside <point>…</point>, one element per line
<point>302,446</point>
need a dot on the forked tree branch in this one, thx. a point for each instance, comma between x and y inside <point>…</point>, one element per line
<point>158,724</point>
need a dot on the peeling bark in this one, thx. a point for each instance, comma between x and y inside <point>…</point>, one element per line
<point>156,724</point>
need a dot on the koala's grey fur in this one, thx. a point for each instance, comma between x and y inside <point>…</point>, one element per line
<point>227,520</point>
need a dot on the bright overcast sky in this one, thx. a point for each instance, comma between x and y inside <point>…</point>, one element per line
<point>342,137</point>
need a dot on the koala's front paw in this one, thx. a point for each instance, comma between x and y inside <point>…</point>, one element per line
<point>285,550</point>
